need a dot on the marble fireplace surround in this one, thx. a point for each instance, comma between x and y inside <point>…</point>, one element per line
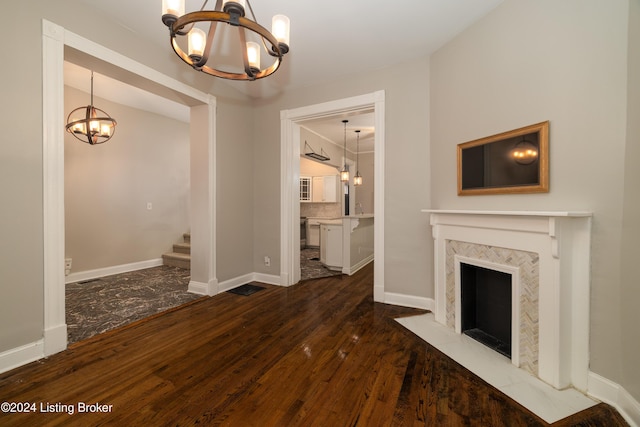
<point>548,256</point>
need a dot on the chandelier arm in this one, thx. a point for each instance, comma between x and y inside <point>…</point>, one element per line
<point>194,17</point>
<point>253,16</point>
<point>184,32</point>
<point>91,88</point>
<point>209,15</point>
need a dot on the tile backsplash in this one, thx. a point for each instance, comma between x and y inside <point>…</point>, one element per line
<point>320,210</point>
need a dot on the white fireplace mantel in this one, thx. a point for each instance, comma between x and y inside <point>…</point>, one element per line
<point>561,240</point>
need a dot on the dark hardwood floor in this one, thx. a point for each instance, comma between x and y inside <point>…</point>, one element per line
<point>320,353</point>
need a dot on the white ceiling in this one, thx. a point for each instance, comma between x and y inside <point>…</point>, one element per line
<point>332,129</point>
<point>329,39</point>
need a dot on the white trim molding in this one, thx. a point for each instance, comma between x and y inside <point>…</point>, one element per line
<point>55,337</point>
<point>558,244</point>
<point>269,279</point>
<point>208,289</point>
<point>290,173</point>
<point>615,395</point>
<point>109,271</point>
<point>19,356</point>
<point>54,40</point>
<point>412,301</point>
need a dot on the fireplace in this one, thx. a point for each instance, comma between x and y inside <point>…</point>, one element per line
<point>546,256</point>
<point>486,307</point>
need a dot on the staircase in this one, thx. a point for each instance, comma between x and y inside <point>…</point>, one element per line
<point>181,255</point>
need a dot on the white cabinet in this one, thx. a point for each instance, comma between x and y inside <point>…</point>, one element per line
<point>331,245</point>
<point>313,232</point>
<point>325,189</point>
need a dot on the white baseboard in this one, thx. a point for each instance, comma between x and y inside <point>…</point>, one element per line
<point>615,395</point>
<point>409,301</point>
<point>55,339</point>
<point>235,282</point>
<point>202,288</point>
<point>108,271</point>
<point>20,356</point>
<point>269,279</point>
<point>250,277</point>
<point>354,268</point>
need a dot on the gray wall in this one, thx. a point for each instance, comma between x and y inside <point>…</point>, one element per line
<point>108,186</point>
<point>21,154</point>
<point>630,286</point>
<point>408,243</point>
<point>365,192</point>
<point>565,62</point>
<point>235,191</point>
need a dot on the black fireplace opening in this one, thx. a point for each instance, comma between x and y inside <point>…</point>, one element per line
<point>486,306</point>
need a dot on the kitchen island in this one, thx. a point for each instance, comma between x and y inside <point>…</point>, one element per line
<point>346,244</point>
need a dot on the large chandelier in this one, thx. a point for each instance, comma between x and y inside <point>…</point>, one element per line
<point>200,44</point>
<point>90,124</point>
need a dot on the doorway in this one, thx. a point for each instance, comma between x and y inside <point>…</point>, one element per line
<point>290,155</point>
<point>57,44</point>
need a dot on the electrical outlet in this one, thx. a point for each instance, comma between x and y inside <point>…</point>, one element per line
<point>267,261</point>
<point>67,266</point>
<point>149,206</point>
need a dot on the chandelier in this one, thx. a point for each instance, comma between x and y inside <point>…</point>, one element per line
<point>344,173</point>
<point>200,44</point>
<point>357,179</point>
<point>524,152</point>
<point>90,124</point>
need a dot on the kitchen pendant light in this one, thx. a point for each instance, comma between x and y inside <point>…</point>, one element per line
<point>90,124</point>
<point>344,173</point>
<point>198,45</point>
<point>357,179</point>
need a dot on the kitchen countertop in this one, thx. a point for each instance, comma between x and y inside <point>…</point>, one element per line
<point>331,221</point>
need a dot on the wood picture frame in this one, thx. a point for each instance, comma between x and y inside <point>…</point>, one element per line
<point>516,161</point>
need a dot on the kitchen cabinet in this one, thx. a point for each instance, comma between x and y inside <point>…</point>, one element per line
<point>305,188</point>
<point>325,189</point>
<point>331,245</point>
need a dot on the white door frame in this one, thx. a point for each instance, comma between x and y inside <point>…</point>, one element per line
<point>290,174</point>
<point>54,40</point>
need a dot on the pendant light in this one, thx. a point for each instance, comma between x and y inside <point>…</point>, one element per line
<point>90,124</point>
<point>344,173</point>
<point>357,179</point>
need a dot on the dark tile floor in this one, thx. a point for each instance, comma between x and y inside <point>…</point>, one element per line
<point>311,267</point>
<point>96,306</point>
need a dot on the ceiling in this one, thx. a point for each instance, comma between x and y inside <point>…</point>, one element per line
<point>332,129</point>
<point>329,40</point>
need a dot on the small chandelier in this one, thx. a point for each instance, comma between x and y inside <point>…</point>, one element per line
<point>524,152</point>
<point>200,43</point>
<point>344,173</point>
<point>90,124</point>
<point>357,179</point>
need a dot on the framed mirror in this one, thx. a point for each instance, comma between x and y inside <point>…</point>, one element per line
<point>516,161</point>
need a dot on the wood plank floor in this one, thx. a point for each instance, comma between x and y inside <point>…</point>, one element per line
<point>320,353</point>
